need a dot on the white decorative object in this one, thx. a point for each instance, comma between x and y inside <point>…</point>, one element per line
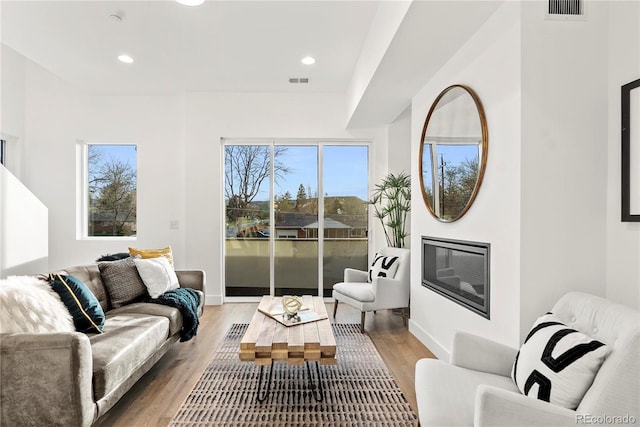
<point>291,306</point>
<point>28,304</point>
<point>157,275</point>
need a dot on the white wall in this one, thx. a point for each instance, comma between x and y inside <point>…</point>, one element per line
<point>550,201</point>
<point>383,29</point>
<point>490,64</point>
<point>12,107</point>
<point>623,238</point>
<point>399,155</point>
<point>23,218</point>
<point>58,117</point>
<point>179,159</point>
<point>212,116</point>
<point>564,157</point>
<point>399,152</point>
<point>24,228</point>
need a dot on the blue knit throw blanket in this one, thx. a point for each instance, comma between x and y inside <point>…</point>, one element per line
<point>186,300</point>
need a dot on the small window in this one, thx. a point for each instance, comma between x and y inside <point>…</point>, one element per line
<point>3,151</point>
<point>111,184</point>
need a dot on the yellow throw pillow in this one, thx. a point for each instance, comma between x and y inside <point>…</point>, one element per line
<point>153,253</point>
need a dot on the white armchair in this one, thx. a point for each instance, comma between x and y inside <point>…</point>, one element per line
<point>475,388</point>
<point>379,294</point>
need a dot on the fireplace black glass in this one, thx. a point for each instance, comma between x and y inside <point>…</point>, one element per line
<point>458,270</point>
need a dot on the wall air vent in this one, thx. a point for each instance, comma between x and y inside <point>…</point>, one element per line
<point>566,10</point>
<point>298,79</point>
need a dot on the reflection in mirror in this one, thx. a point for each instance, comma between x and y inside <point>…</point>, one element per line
<point>453,152</point>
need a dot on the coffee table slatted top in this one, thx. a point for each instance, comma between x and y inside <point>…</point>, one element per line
<point>267,340</point>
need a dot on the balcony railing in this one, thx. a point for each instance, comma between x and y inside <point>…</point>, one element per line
<point>295,267</point>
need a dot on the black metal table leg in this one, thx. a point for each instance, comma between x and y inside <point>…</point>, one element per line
<point>319,395</point>
<point>262,397</point>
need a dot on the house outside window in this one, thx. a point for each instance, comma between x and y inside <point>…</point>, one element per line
<point>296,215</point>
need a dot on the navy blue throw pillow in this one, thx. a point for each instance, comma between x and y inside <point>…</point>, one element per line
<point>84,307</point>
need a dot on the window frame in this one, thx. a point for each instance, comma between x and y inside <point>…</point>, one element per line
<point>82,184</point>
<point>320,143</point>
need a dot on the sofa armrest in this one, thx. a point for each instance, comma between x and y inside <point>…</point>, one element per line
<point>46,379</point>
<point>480,354</point>
<point>194,279</point>
<point>496,407</point>
<point>352,275</point>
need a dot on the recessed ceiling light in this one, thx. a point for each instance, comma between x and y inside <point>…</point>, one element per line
<point>190,2</point>
<point>308,60</point>
<point>126,59</point>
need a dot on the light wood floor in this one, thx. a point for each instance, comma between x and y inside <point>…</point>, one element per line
<point>156,398</point>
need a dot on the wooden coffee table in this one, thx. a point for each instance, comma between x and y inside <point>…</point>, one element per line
<point>267,340</point>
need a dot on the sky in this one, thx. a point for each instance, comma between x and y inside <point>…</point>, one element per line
<point>451,154</point>
<point>345,170</point>
<point>125,153</point>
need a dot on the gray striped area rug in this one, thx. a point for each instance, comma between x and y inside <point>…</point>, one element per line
<point>358,391</point>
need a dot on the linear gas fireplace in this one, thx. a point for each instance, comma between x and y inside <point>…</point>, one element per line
<point>458,270</point>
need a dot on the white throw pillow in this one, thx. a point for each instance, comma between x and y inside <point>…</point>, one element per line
<point>28,304</point>
<point>557,364</point>
<point>383,266</point>
<point>157,275</point>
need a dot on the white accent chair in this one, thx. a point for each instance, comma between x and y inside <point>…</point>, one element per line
<point>475,388</point>
<point>379,294</point>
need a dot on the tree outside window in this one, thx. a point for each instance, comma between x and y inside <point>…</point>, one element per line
<point>112,175</point>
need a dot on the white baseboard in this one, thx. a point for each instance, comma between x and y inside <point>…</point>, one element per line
<point>431,343</point>
<point>213,300</point>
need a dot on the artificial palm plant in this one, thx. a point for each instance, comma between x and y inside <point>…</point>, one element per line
<point>391,201</point>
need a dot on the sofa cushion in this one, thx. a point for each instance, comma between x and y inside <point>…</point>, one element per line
<point>446,394</point>
<point>359,291</point>
<point>122,281</point>
<point>147,308</point>
<point>127,342</point>
<point>557,364</point>
<point>84,307</point>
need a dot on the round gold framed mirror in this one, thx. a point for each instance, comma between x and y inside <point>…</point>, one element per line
<point>453,152</point>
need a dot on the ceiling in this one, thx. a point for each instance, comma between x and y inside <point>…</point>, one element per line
<point>246,46</point>
<point>218,46</point>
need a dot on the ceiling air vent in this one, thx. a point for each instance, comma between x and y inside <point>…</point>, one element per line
<point>298,79</point>
<point>566,10</point>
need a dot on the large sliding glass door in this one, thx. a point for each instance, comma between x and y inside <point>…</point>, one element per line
<point>296,212</point>
<point>296,216</point>
<point>247,172</point>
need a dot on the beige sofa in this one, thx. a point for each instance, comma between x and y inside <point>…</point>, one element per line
<point>72,379</point>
